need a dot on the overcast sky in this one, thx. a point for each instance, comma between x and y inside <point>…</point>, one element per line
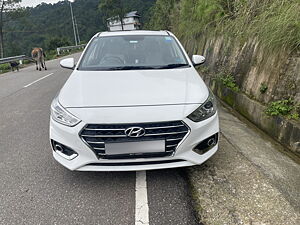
<point>36,2</point>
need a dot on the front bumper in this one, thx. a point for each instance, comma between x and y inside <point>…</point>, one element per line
<point>88,161</point>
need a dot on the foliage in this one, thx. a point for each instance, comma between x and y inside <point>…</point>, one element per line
<point>111,8</point>
<point>9,9</point>
<point>47,22</point>
<point>55,42</point>
<point>263,88</point>
<point>161,15</point>
<point>52,54</point>
<point>204,69</point>
<point>48,25</point>
<point>229,81</point>
<point>285,107</point>
<point>275,23</point>
<point>294,116</point>
<point>4,67</point>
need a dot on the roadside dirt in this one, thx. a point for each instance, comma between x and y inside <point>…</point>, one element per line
<point>248,181</point>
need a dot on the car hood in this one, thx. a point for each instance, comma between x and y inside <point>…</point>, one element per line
<point>133,88</point>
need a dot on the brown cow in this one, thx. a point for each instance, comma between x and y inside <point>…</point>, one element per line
<point>38,55</point>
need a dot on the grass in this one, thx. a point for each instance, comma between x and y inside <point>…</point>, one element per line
<point>204,69</point>
<point>52,54</point>
<point>274,23</point>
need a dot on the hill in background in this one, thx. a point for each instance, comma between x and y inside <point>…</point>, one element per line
<point>50,26</point>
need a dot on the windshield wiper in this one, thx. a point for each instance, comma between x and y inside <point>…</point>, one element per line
<point>171,66</point>
<point>131,67</point>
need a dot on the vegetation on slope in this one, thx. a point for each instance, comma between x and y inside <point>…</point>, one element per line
<point>275,23</point>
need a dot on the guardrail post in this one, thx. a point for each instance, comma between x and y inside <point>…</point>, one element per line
<point>61,50</point>
<point>19,59</point>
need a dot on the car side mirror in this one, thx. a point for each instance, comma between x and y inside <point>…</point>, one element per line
<point>68,63</point>
<point>198,60</point>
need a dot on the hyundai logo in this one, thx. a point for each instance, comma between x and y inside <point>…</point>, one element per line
<point>135,132</point>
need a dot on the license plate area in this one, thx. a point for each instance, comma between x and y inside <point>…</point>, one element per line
<point>142,147</point>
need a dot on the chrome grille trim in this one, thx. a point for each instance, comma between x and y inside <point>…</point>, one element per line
<point>95,136</point>
<point>146,135</point>
<point>158,134</point>
<point>148,128</point>
<point>103,136</point>
<point>169,146</point>
<point>174,139</point>
<point>104,129</point>
<point>95,142</point>
<point>152,128</point>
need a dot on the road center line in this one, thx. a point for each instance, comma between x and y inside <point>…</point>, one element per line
<point>38,80</point>
<point>141,199</point>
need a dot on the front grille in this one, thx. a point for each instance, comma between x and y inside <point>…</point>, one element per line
<point>97,135</point>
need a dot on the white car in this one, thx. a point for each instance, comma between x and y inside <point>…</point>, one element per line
<point>133,102</point>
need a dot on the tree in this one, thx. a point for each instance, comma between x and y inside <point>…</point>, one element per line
<point>160,15</point>
<point>55,42</point>
<point>113,8</point>
<point>8,9</point>
<point>46,21</point>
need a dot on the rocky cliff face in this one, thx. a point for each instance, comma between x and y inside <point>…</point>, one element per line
<point>252,67</point>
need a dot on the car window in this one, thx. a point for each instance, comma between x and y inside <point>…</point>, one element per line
<point>133,52</point>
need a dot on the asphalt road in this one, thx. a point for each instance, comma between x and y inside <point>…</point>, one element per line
<point>34,189</point>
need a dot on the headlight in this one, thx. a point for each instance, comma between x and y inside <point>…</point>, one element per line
<point>61,115</point>
<point>206,110</point>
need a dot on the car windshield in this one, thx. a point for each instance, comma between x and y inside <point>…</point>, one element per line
<point>133,52</point>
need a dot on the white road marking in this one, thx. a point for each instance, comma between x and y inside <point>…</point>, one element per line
<point>141,199</point>
<point>38,80</point>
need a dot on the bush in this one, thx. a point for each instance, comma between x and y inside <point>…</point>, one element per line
<point>51,54</point>
<point>285,107</point>
<point>229,81</point>
<point>5,67</point>
<point>55,42</point>
<point>263,88</point>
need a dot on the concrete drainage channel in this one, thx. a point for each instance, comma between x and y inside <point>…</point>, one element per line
<point>286,132</point>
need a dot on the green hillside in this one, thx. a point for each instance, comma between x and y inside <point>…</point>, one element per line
<point>50,25</point>
<point>274,23</point>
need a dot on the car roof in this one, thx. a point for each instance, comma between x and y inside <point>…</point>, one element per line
<point>132,32</point>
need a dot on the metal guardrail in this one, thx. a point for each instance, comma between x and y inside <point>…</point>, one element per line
<point>19,58</point>
<point>68,48</point>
